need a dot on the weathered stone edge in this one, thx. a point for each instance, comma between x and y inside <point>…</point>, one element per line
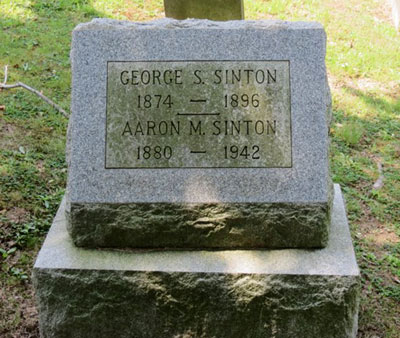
<point>111,24</point>
<point>90,303</point>
<point>337,258</point>
<point>173,225</point>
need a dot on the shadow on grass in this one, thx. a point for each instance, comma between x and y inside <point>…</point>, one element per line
<point>375,102</point>
<point>385,112</point>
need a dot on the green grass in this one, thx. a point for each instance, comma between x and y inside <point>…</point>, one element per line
<point>364,71</point>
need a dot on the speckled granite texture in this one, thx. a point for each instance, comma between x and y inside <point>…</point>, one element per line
<point>238,293</point>
<point>218,196</point>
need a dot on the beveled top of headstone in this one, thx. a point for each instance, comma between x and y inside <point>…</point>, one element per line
<point>219,10</point>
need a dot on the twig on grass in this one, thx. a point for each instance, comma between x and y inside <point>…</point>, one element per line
<point>379,182</point>
<point>5,74</point>
<point>4,85</point>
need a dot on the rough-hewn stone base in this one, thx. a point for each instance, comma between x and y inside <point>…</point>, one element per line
<point>172,225</point>
<point>253,293</point>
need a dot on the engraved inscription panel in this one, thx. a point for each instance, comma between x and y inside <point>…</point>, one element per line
<point>198,114</point>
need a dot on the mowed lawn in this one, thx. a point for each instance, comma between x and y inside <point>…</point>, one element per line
<point>363,61</point>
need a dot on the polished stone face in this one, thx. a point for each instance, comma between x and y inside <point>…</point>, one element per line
<point>198,114</point>
<point>219,10</point>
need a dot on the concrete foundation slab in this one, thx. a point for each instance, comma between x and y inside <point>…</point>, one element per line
<point>235,293</point>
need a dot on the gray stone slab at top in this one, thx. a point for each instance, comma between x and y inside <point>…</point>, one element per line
<point>103,40</point>
<point>219,10</point>
<point>269,293</point>
<point>301,192</point>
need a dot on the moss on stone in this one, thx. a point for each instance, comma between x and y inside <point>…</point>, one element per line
<point>153,304</point>
<point>199,225</point>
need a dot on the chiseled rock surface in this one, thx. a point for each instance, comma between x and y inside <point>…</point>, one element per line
<point>234,293</point>
<point>199,225</point>
<point>301,193</point>
<point>159,304</point>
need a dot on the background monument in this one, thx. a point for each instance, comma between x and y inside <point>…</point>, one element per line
<point>198,135</point>
<point>219,10</point>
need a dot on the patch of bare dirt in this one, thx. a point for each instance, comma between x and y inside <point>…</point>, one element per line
<point>366,85</point>
<point>382,236</point>
<point>41,169</point>
<point>17,215</point>
<point>380,10</point>
<point>19,316</point>
<point>136,12</point>
<point>7,131</point>
<point>11,135</point>
<point>383,11</point>
<point>374,231</point>
<point>338,6</point>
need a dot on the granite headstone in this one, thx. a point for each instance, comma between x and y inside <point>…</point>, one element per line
<point>199,134</point>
